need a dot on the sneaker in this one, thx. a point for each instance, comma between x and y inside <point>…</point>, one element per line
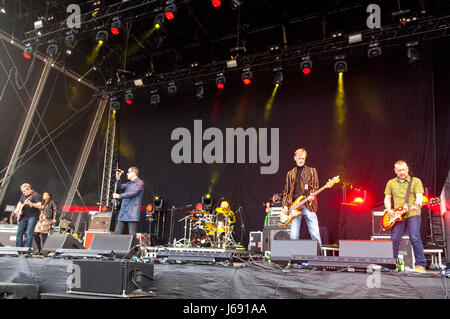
<point>420,269</point>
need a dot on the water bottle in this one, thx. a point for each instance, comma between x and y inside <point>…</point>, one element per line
<point>401,263</point>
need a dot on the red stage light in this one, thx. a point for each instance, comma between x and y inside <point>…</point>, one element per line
<point>306,71</point>
<point>26,56</point>
<point>247,81</point>
<point>128,101</point>
<point>220,86</point>
<point>216,3</point>
<point>358,200</point>
<point>115,30</point>
<point>169,15</point>
<point>149,207</point>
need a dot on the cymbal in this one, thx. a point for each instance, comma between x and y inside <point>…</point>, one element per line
<point>197,213</point>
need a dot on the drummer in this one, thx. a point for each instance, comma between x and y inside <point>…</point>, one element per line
<point>224,210</point>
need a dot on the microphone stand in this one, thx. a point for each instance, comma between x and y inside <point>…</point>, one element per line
<point>242,224</point>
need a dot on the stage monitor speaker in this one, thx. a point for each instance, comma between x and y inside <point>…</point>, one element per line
<point>112,277</point>
<point>274,233</point>
<point>283,250</point>
<point>58,241</point>
<point>8,235</point>
<point>366,248</point>
<point>120,244</point>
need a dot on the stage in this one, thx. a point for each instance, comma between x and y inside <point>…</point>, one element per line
<point>252,279</point>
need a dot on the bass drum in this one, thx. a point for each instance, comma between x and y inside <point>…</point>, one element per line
<point>200,237</point>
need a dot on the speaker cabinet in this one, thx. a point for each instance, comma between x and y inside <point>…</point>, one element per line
<point>58,241</point>
<point>112,277</point>
<point>405,249</point>
<point>274,233</point>
<point>366,248</point>
<point>283,250</point>
<point>120,244</point>
<point>18,291</point>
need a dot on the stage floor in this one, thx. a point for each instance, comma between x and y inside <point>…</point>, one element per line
<point>247,280</point>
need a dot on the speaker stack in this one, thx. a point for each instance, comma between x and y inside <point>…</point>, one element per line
<point>271,233</point>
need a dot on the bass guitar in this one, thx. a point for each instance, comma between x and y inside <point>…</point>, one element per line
<point>387,222</point>
<point>294,210</point>
<point>19,209</point>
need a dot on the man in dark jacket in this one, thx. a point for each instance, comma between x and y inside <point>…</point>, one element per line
<point>133,190</point>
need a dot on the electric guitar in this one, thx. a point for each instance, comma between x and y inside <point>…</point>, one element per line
<point>19,209</point>
<point>387,222</point>
<point>294,210</point>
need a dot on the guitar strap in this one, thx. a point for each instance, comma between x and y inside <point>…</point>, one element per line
<point>408,190</point>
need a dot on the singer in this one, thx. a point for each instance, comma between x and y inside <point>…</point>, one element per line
<point>133,190</point>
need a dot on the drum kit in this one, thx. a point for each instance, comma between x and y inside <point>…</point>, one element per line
<point>209,229</point>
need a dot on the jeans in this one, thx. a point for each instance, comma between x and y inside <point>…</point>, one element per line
<point>26,226</point>
<point>132,227</point>
<point>413,225</point>
<point>312,223</point>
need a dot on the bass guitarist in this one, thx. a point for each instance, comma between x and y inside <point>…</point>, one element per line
<point>27,211</point>
<point>396,190</point>
<point>302,181</point>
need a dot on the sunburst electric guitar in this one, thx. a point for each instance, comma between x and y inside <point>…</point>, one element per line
<point>294,210</point>
<point>387,222</point>
<point>19,209</point>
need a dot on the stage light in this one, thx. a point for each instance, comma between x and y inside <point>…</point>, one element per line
<point>373,50</point>
<point>412,52</point>
<point>172,88</point>
<point>52,50</point>
<point>101,37</point>
<point>159,20</point>
<point>340,65</point>
<point>207,202</point>
<point>170,10</point>
<point>69,40</point>
<point>154,98</point>
<point>220,81</point>
<point>3,10</point>
<point>306,65</point>
<point>278,75</point>
<point>116,26</point>
<point>114,104</point>
<point>129,97</point>
<point>199,90</point>
<point>247,76</point>
<point>216,3</point>
<point>158,201</point>
<point>28,51</point>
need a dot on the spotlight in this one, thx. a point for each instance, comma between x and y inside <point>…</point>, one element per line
<point>3,10</point>
<point>158,202</point>
<point>28,51</point>
<point>154,98</point>
<point>170,10</point>
<point>236,3</point>
<point>159,20</point>
<point>69,40</point>
<point>114,104</point>
<point>216,3</point>
<point>101,37</point>
<point>247,76</point>
<point>172,88</point>
<point>129,97</point>
<point>52,50</point>
<point>220,81</point>
<point>199,90</point>
<point>306,65</point>
<point>278,75</point>
<point>149,211</point>
<point>373,50</point>
<point>116,26</point>
<point>207,202</point>
<point>340,66</point>
<point>412,52</point>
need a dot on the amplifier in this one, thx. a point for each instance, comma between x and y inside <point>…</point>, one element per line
<point>377,230</point>
<point>8,235</point>
<point>405,249</point>
<point>271,233</point>
<point>100,221</point>
<point>274,221</point>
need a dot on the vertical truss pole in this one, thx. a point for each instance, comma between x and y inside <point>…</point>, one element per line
<point>85,153</point>
<point>25,128</point>
<point>110,161</point>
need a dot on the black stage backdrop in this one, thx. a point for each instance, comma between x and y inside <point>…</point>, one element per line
<point>386,112</point>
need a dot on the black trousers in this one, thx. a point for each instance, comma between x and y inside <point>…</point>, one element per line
<point>132,227</point>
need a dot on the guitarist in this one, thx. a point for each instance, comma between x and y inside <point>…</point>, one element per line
<point>396,190</point>
<point>27,211</point>
<point>302,181</point>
